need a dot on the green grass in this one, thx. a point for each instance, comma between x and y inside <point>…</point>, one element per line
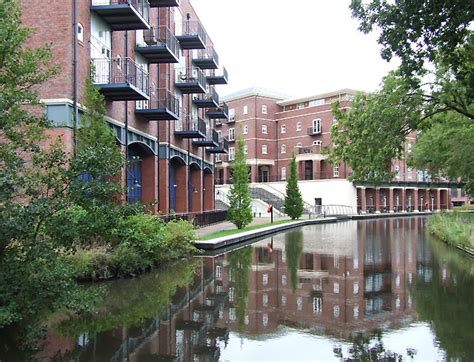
<point>453,228</point>
<point>221,233</point>
<point>464,207</point>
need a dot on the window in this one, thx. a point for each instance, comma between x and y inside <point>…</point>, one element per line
<point>232,314</point>
<point>264,150</point>
<point>246,129</point>
<point>299,127</point>
<point>283,129</point>
<point>316,102</point>
<point>264,109</point>
<point>283,300</point>
<point>283,280</point>
<point>355,288</point>
<point>355,312</point>
<point>397,171</point>
<point>265,299</point>
<point>231,294</point>
<point>336,288</point>
<point>283,148</point>
<point>265,279</point>
<point>264,129</point>
<point>219,135</point>
<point>246,109</point>
<point>317,143</point>
<point>246,149</point>
<point>80,32</point>
<point>299,145</point>
<point>410,172</point>
<point>336,311</point>
<point>231,114</point>
<point>335,171</point>
<point>300,106</point>
<point>231,134</point>
<point>283,173</point>
<point>334,120</point>
<point>218,272</point>
<point>317,304</point>
<point>231,153</point>
<point>299,303</point>
<point>316,126</point>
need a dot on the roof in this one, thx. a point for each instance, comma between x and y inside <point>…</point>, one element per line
<point>254,91</point>
<point>289,101</point>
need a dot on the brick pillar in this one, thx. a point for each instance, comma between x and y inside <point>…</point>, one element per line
<point>181,189</point>
<point>449,202</point>
<point>316,169</point>
<point>149,182</point>
<point>438,200</point>
<point>196,182</point>
<point>390,200</point>
<point>403,200</point>
<point>377,200</point>
<point>415,200</point>
<point>208,192</point>
<point>254,173</point>
<point>363,200</point>
<point>164,187</point>
<point>446,199</point>
<point>428,198</point>
<point>225,175</point>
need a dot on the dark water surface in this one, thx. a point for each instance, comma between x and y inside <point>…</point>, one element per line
<point>352,290</point>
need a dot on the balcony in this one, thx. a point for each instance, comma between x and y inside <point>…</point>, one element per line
<point>222,147</point>
<point>208,100</point>
<point>190,127</point>
<point>221,112</point>
<point>190,80</point>
<point>162,106</point>
<point>315,149</point>
<point>206,59</point>
<point>120,79</point>
<point>314,131</point>
<point>123,14</point>
<point>159,46</point>
<point>211,139</point>
<point>220,77</point>
<point>164,3</point>
<point>193,36</point>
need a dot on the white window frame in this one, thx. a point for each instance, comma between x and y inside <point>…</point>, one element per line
<point>317,125</point>
<point>231,153</point>
<point>246,110</point>
<point>246,149</point>
<point>231,114</point>
<point>299,127</point>
<point>299,145</point>
<point>264,109</point>
<point>335,171</point>
<point>283,149</point>
<point>264,150</point>
<point>317,143</point>
<point>283,128</point>
<point>264,129</point>
<point>283,173</point>
<point>232,132</point>
<point>246,129</point>
<point>80,32</point>
<point>300,106</point>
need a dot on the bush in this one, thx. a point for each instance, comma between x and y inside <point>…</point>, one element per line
<point>453,228</point>
<point>92,264</point>
<point>126,261</point>
<point>178,238</point>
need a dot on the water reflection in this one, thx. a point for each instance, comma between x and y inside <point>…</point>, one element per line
<point>351,290</point>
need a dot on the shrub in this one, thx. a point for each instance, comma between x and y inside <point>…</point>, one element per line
<point>92,264</point>
<point>179,236</point>
<point>127,261</point>
<point>453,228</point>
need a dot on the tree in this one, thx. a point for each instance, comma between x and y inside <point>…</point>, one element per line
<point>293,202</point>
<point>240,200</point>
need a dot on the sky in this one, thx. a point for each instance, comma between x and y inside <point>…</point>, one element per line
<point>295,47</point>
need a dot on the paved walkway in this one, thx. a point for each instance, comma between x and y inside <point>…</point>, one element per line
<point>226,225</point>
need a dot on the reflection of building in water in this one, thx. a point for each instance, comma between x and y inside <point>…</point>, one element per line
<point>354,281</point>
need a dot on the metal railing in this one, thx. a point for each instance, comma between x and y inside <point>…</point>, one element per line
<point>210,95</point>
<point>199,219</point>
<point>191,123</point>
<point>160,98</point>
<point>208,53</point>
<point>194,28</point>
<point>194,75</point>
<point>314,131</point>
<point>120,70</point>
<point>328,210</point>
<point>160,36</point>
<point>141,6</point>
<point>314,149</point>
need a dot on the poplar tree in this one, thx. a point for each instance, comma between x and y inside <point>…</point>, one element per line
<point>293,203</point>
<point>240,200</point>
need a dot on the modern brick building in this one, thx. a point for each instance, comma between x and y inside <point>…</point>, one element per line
<point>273,127</point>
<point>158,70</point>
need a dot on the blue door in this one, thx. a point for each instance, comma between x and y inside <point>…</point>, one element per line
<point>172,186</point>
<point>134,177</point>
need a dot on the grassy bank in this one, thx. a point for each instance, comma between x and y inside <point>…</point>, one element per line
<point>221,233</point>
<point>453,228</point>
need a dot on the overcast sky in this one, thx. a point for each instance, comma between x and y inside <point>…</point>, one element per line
<point>296,47</point>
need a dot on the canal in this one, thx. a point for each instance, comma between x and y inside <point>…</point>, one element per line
<point>350,290</point>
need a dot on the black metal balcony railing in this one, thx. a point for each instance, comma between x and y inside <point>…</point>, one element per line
<point>163,105</point>
<point>206,59</point>
<point>220,112</point>
<point>193,35</point>
<point>163,3</point>
<point>159,46</point>
<point>314,131</point>
<point>190,127</point>
<point>120,78</point>
<point>211,139</point>
<point>222,147</point>
<point>315,149</point>
<point>190,80</point>
<point>220,77</point>
<point>208,100</point>
<point>123,14</point>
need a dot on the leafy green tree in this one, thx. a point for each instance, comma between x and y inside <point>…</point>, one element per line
<point>33,182</point>
<point>293,202</point>
<point>294,250</point>
<point>240,200</point>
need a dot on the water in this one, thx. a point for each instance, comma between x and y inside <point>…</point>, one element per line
<point>352,290</point>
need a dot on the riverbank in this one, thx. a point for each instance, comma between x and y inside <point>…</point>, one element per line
<point>455,229</point>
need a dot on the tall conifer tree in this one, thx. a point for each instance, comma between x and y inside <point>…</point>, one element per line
<point>293,203</point>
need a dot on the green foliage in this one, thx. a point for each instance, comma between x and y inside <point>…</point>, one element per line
<point>293,203</point>
<point>294,251</point>
<point>452,136</point>
<point>240,263</point>
<point>453,228</point>
<point>240,200</point>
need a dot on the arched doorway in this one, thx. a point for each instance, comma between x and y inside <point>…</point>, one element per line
<point>178,194</point>
<point>195,188</point>
<point>208,190</point>
<point>141,174</point>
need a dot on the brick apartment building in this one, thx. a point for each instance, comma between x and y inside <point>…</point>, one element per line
<point>274,127</point>
<point>158,70</point>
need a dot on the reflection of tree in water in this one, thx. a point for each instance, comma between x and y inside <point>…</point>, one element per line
<point>294,250</point>
<point>240,262</point>
<point>371,348</point>
<point>443,297</point>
